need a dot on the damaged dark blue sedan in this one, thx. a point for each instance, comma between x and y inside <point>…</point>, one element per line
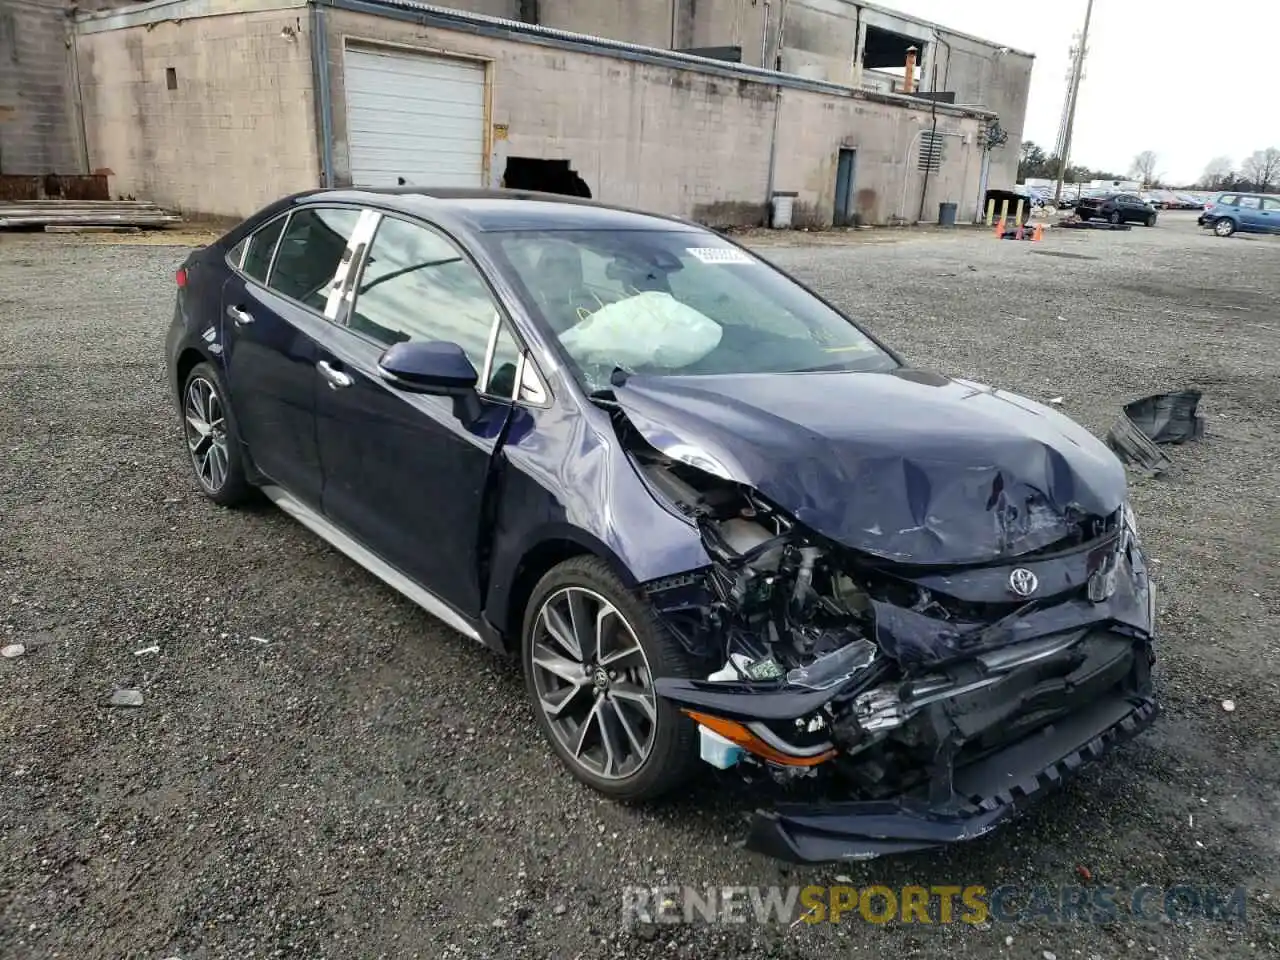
<point>719,522</point>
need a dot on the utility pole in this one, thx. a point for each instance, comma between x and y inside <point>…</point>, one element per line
<point>1064,157</point>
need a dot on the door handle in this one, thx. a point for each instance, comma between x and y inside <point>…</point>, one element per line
<point>240,316</point>
<point>335,378</point>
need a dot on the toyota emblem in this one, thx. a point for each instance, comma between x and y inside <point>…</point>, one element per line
<point>1023,582</point>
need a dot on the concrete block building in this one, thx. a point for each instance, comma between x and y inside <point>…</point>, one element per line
<point>704,109</point>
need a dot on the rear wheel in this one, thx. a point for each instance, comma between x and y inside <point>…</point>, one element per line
<point>1115,216</point>
<point>591,650</point>
<point>1225,227</point>
<point>213,441</point>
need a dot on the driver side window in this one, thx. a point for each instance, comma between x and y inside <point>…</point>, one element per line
<point>416,285</point>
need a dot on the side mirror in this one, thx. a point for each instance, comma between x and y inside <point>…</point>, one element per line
<point>435,367</point>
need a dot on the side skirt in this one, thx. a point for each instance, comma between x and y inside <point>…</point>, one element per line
<point>388,574</point>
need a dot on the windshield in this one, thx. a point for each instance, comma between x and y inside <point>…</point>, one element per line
<point>677,302</point>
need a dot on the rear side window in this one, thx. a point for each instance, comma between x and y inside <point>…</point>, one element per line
<point>1270,203</point>
<point>1251,203</point>
<point>310,250</point>
<point>261,245</point>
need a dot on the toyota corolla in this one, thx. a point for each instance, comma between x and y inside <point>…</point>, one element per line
<point>719,522</point>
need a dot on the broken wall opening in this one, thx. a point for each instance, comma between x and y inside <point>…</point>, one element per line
<point>544,176</point>
<point>887,50</point>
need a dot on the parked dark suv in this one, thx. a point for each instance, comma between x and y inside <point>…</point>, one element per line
<point>1117,208</point>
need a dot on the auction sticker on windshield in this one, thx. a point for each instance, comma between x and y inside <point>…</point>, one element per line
<point>719,255</point>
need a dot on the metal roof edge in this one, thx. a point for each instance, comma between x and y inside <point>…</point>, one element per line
<point>158,11</point>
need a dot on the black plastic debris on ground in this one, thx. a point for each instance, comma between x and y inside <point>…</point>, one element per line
<point>1094,225</point>
<point>1161,418</point>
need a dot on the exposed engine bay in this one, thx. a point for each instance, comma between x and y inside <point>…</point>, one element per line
<point>894,680</point>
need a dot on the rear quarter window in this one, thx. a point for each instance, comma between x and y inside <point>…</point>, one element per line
<point>1227,200</point>
<point>259,248</point>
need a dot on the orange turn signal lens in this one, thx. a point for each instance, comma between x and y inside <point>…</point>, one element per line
<point>736,733</point>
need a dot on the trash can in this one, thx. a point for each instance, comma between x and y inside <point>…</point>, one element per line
<point>947,214</point>
<point>783,205</point>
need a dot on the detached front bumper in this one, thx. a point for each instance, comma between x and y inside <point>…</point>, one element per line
<point>987,793</point>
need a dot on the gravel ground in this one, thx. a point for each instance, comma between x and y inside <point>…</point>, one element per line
<point>320,770</point>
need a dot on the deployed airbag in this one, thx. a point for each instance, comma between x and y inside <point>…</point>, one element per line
<point>650,330</point>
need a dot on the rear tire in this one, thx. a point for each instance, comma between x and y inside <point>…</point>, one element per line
<point>596,707</point>
<point>213,438</point>
<point>1224,227</point>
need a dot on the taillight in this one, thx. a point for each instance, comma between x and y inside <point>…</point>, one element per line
<point>181,277</point>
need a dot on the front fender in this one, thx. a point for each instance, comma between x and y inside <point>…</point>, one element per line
<point>564,477</point>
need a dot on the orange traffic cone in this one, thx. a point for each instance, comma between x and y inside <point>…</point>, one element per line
<point>1000,228</point>
<point>1039,234</point>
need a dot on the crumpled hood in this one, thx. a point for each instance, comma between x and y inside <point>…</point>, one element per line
<point>904,465</point>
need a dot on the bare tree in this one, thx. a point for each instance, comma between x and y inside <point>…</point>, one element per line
<point>1217,172</point>
<point>1144,166</point>
<point>1262,167</point>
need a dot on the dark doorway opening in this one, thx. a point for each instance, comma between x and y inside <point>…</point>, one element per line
<point>846,173</point>
<point>544,176</point>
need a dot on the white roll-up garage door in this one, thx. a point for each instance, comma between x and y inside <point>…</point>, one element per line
<point>416,117</point>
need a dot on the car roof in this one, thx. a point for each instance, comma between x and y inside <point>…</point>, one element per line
<point>486,211</point>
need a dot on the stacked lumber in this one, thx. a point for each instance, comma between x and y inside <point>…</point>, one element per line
<point>27,214</point>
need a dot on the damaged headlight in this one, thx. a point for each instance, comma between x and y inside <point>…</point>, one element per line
<point>835,667</point>
<point>1103,582</point>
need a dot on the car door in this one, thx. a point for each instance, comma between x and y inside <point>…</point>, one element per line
<point>273,306</point>
<point>1249,210</point>
<point>405,473</point>
<point>1132,207</point>
<point>1270,214</point>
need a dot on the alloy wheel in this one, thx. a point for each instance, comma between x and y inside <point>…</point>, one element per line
<point>206,428</point>
<point>593,683</point>
<point>1224,227</point>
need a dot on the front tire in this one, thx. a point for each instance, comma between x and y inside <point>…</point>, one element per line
<point>591,649</point>
<point>1151,220</point>
<point>1225,227</point>
<point>1115,216</point>
<point>213,439</point>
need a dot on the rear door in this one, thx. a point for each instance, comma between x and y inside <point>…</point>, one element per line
<point>1250,213</point>
<point>405,473</point>
<point>273,306</point>
<point>1270,216</point>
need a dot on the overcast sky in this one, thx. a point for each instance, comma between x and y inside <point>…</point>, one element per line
<point>1188,87</point>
